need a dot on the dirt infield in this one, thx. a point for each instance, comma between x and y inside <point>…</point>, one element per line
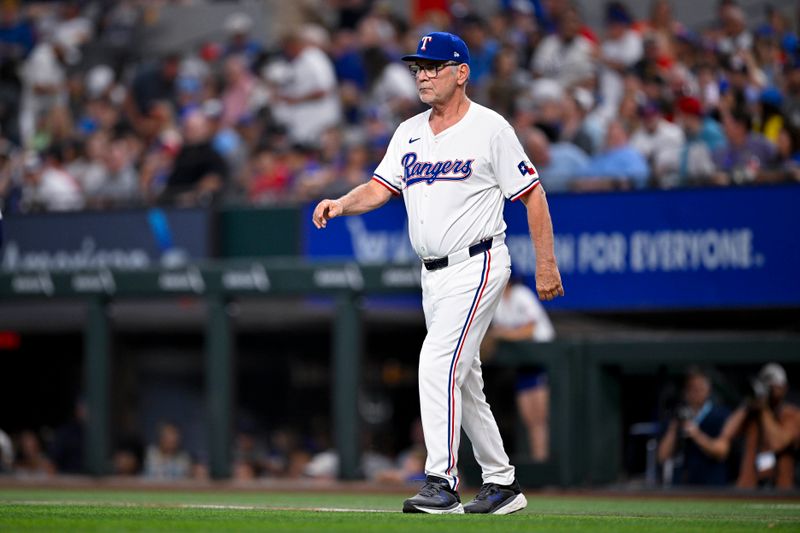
<point>367,487</point>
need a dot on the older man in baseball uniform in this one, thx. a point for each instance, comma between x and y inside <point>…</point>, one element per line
<point>453,165</point>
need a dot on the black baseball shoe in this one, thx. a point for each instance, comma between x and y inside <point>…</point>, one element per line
<point>497,499</point>
<point>435,497</point>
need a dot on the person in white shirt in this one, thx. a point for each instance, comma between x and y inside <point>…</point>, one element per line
<point>307,103</point>
<point>656,139</point>
<point>565,56</point>
<point>520,317</point>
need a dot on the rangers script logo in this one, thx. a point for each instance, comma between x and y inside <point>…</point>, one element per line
<point>415,172</point>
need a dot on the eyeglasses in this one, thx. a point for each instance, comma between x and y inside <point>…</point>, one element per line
<point>431,70</point>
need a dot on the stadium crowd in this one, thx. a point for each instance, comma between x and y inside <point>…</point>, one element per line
<point>86,121</point>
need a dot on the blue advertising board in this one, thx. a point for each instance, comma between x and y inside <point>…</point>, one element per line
<point>125,240</point>
<point>646,250</point>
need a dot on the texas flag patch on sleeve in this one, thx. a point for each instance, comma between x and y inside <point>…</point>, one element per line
<point>526,168</point>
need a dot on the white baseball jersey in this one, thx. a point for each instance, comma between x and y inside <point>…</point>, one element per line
<point>453,182</point>
<point>453,185</point>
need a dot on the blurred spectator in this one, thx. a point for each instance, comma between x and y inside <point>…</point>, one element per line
<point>287,458</point>
<point>410,463</point>
<point>127,457</point>
<point>482,48</point>
<point>558,163</point>
<point>692,163</point>
<point>306,101</point>
<point>238,27</point>
<point>567,55</point>
<point>118,184</point>
<point>579,125</point>
<point>791,101</point>
<point>747,154</point>
<point>17,35</point>
<point>770,427</point>
<point>520,317</point>
<point>48,186</point>
<point>657,139</point>
<point>67,447</point>
<point>770,116</point>
<point>735,35</point>
<point>249,455</point>
<point>199,172</point>
<point>240,97</point>
<point>6,453</point>
<point>44,83</point>
<point>31,461</point>
<point>621,50</point>
<point>153,83</point>
<point>507,82</point>
<point>620,166</point>
<point>266,177</point>
<point>686,450</point>
<point>166,460</point>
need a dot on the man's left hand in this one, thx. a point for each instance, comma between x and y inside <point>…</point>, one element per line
<point>548,281</point>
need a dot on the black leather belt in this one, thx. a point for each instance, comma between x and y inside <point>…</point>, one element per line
<point>475,249</point>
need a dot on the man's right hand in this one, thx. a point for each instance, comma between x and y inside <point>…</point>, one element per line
<point>326,210</point>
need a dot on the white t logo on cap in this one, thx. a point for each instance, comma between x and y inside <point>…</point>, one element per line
<point>425,41</point>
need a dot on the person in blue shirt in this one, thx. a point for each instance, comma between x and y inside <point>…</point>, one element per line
<point>620,166</point>
<point>687,449</point>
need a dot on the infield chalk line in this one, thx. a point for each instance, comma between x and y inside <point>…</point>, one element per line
<point>196,506</point>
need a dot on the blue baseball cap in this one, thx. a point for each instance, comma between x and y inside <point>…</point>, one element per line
<point>440,46</point>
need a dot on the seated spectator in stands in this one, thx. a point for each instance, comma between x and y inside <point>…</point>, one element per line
<point>620,166</point>
<point>507,82</point>
<point>410,463</point>
<point>166,460</point>
<point>44,84</point>
<point>567,55</point>
<point>6,453</point>
<point>770,118</point>
<point>153,83</point>
<point>580,125</point>
<point>128,457</point>
<point>199,172</point>
<point>770,427</point>
<point>48,186</point>
<point>558,164</point>
<point>686,449</point>
<point>656,138</point>
<point>31,460</point>
<point>482,48</point>
<point>307,102</point>
<point>17,34</point>
<point>788,155</point>
<point>693,162</point>
<point>621,49</point>
<point>747,154</point>
<point>266,177</point>
<point>239,42</point>
<point>118,185</point>
<point>249,454</point>
<point>67,448</point>
<point>791,97</point>
<point>520,317</point>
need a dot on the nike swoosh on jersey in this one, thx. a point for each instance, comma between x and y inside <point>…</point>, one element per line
<point>413,140</point>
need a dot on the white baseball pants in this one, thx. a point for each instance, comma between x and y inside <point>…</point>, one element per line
<point>459,302</point>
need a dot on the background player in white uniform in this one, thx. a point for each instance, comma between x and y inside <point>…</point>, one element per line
<point>453,165</point>
<point>520,317</point>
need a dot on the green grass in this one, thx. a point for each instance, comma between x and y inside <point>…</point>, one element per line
<point>95,510</point>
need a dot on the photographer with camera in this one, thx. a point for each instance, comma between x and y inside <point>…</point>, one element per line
<point>771,431</point>
<point>687,450</point>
